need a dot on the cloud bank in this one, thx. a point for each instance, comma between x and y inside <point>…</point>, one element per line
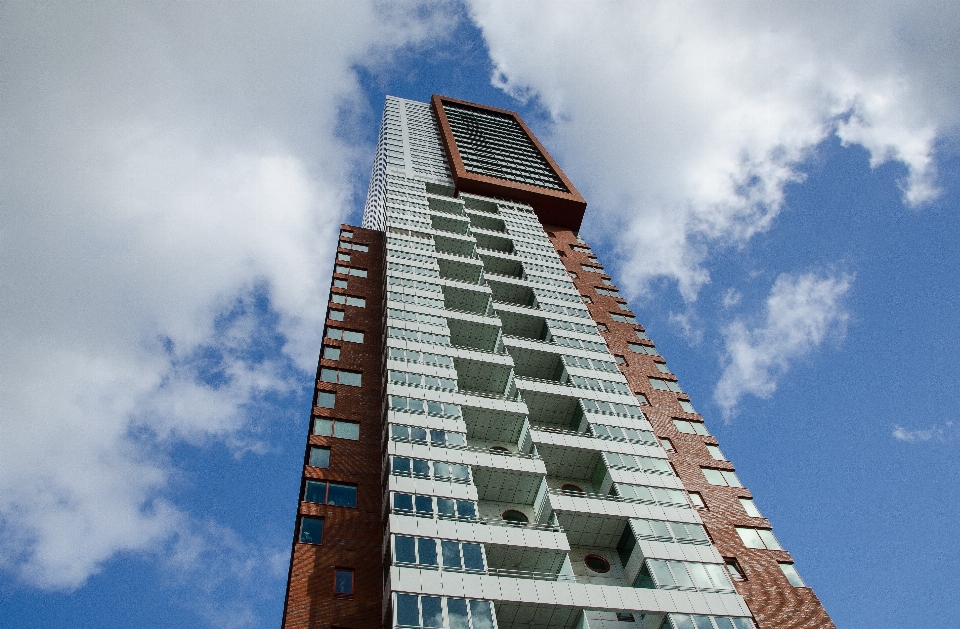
<point>800,312</point>
<point>683,122</point>
<point>171,188</point>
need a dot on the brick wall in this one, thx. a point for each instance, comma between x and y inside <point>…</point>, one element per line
<point>352,537</point>
<point>775,603</point>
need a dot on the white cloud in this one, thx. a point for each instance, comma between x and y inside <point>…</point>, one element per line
<point>682,122</point>
<point>164,165</point>
<point>938,433</point>
<point>800,312</point>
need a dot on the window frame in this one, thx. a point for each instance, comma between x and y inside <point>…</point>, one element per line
<point>337,571</point>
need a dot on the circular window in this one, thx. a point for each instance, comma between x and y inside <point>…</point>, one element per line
<point>512,515</point>
<point>572,488</point>
<point>597,563</point>
<point>499,450</point>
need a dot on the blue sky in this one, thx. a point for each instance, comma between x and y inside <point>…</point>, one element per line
<point>776,188</point>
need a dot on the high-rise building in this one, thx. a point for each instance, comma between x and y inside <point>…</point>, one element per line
<point>494,439</point>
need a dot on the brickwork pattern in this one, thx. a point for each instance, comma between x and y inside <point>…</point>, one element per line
<point>774,602</point>
<point>352,537</point>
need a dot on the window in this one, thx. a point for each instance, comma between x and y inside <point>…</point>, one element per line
<point>637,462</point>
<point>580,249</point>
<point>439,470</point>
<point>338,283</point>
<point>662,367</point>
<point>683,621</point>
<point>421,337</point>
<point>586,299</point>
<point>350,270</point>
<point>652,495</point>
<point>343,583</point>
<point>792,576</point>
<point>591,268</point>
<point>609,292</point>
<point>751,508</point>
<point>641,398</point>
<point>326,399</point>
<point>696,499</point>
<point>344,335</point>
<point>349,378</point>
<point>418,380</point>
<point>623,434</point>
<point>572,274</point>
<point>659,530</point>
<point>598,385</point>
<point>335,315</point>
<point>340,428</point>
<point>623,306</point>
<point>686,406</point>
<point>429,407</point>
<point>330,493</point>
<point>620,360</point>
<point>343,257</point>
<point>426,358</point>
<point>353,245</point>
<point>512,515</point>
<point>665,385</point>
<point>427,612</point>
<point>721,477</point>
<point>349,300</point>
<point>319,457</point>
<point>642,335</point>
<point>602,327</point>
<point>330,353</point>
<point>667,444</point>
<point>715,452</point>
<point>733,567</point>
<point>758,538</point>
<point>346,234</point>
<point>429,506</point>
<point>686,575</point>
<point>452,555</point>
<point>311,530</point>
<point>440,438</point>
<point>597,563</point>
<point>643,349</point>
<point>690,428</point>
<point>623,318</point>
<point>611,408</point>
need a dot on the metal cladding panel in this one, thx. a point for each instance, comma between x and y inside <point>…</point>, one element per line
<point>554,198</point>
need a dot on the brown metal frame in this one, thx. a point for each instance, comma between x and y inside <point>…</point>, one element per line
<point>555,207</point>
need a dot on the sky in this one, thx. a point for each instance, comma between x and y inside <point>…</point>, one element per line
<point>775,186</point>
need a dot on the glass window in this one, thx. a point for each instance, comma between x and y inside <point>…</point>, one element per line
<point>451,554</point>
<point>662,367</point>
<point>432,613</point>
<point>686,406</point>
<point>472,556</point>
<point>335,315</point>
<point>714,477</point>
<point>457,613</point>
<point>750,507</point>
<point>733,567</point>
<point>715,452</point>
<point>350,378</point>
<point>311,530</point>
<point>330,352</point>
<point>326,399</point>
<point>620,360</point>
<point>408,610</point>
<point>315,491</point>
<point>404,549</point>
<point>769,540</point>
<point>683,426</point>
<point>359,302</point>
<point>338,283</point>
<point>403,502</point>
<point>427,551</point>
<point>750,537</point>
<point>319,457</point>
<point>731,478</point>
<point>342,495</point>
<point>346,430</point>
<point>667,444</point>
<point>791,573</point>
<point>343,583</point>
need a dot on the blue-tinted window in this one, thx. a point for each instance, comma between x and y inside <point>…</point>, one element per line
<point>451,554</point>
<point>311,530</point>
<point>319,457</point>
<point>343,583</point>
<point>342,495</point>
<point>408,610</point>
<point>457,613</point>
<point>403,502</point>
<point>326,399</point>
<point>472,556</point>
<point>405,549</point>
<point>427,551</point>
<point>424,504</point>
<point>316,491</point>
<point>432,613</point>
<point>480,612</point>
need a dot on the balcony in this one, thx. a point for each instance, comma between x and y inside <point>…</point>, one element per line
<point>465,300</point>
<point>469,273</point>
<point>529,363</point>
<point>460,247</point>
<point>473,335</point>
<point>494,243</point>
<point>523,326</point>
<point>446,205</point>
<point>502,266</point>
<point>488,223</point>
<point>553,411</point>
<point>508,293</point>
<point>449,224</point>
<point>484,378</point>
<point>477,203</point>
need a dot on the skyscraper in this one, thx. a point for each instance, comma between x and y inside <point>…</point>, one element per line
<point>494,440</point>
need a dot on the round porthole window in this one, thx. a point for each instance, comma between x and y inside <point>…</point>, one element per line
<point>512,515</point>
<point>572,488</point>
<point>597,563</point>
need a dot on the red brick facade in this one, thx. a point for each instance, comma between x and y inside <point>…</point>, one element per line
<point>352,537</point>
<point>775,603</point>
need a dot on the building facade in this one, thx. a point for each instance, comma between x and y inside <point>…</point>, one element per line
<point>494,441</point>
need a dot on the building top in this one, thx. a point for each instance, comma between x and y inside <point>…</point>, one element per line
<point>492,152</point>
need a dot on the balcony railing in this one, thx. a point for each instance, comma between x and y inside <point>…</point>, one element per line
<point>555,528</point>
<point>575,433</point>
<point>519,455</point>
<point>494,572</point>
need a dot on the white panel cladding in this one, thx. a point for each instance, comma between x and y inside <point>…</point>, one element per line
<point>472,458</point>
<point>564,593</point>
<point>585,442</point>
<point>450,424</point>
<point>555,388</point>
<point>475,531</point>
<point>599,506</point>
<point>636,477</point>
<point>430,487</point>
<point>541,346</point>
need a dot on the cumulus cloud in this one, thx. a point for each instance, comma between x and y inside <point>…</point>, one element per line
<point>800,312</point>
<point>683,122</point>
<point>933,433</point>
<point>165,167</point>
